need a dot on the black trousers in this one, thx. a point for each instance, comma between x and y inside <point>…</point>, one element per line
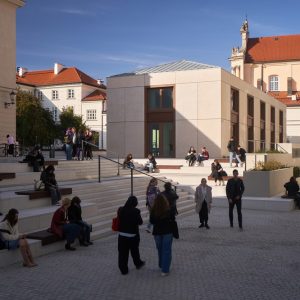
<point>126,244</point>
<point>239,212</point>
<point>203,213</point>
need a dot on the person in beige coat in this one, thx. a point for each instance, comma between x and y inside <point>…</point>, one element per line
<point>203,199</point>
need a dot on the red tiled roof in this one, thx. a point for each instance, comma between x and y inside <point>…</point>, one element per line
<point>285,99</point>
<point>273,48</point>
<point>65,76</point>
<point>95,96</point>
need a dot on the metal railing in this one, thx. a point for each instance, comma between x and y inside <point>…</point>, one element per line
<point>131,172</point>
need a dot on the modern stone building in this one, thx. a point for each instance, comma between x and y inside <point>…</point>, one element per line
<point>167,108</point>
<point>8,67</point>
<point>272,64</point>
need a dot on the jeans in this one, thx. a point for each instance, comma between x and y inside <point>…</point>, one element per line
<point>55,194</point>
<point>71,232</point>
<point>233,155</point>
<point>69,149</point>
<point>126,244</point>
<point>164,248</point>
<point>85,232</point>
<point>239,212</point>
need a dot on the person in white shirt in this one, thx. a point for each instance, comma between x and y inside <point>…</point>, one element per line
<point>11,144</point>
<point>203,199</point>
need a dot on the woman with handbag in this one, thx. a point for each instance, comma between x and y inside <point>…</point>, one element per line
<point>129,236</point>
<point>163,228</point>
<point>13,239</point>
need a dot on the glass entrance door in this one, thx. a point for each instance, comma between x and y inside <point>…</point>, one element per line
<point>161,139</point>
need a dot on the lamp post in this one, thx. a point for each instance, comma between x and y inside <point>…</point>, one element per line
<point>12,96</point>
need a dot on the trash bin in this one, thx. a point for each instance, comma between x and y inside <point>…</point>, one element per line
<point>52,151</point>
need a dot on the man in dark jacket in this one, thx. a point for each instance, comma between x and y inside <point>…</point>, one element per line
<point>234,191</point>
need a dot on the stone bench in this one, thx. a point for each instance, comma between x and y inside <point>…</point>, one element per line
<point>42,194</point>
<point>168,167</point>
<point>45,236</point>
<point>46,162</point>
<point>7,176</point>
<point>225,178</point>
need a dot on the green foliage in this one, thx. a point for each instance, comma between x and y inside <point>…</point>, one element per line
<point>35,124</point>
<point>269,166</point>
<point>269,151</point>
<point>68,119</point>
<point>296,172</point>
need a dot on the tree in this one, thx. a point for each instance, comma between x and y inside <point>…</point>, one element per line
<point>35,124</point>
<point>68,119</point>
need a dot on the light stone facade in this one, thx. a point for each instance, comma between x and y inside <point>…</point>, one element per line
<point>7,65</point>
<point>202,102</point>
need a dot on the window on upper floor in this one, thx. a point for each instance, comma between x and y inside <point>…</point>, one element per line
<point>71,94</point>
<point>273,83</point>
<point>103,107</point>
<point>54,114</point>
<point>40,95</point>
<point>91,114</point>
<point>54,94</point>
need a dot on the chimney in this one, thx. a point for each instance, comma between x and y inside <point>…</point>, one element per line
<point>57,68</point>
<point>100,81</point>
<point>21,71</point>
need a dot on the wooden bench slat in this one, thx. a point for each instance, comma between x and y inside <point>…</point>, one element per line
<point>44,236</point>
<point>42,194</point>
<point>7,175</point>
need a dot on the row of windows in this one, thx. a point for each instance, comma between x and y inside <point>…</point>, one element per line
<point>274,84</point>
<point>55,95</point>
<point>91,114</point>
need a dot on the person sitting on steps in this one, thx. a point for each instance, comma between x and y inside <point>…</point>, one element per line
<point>204,155</point>
<point>128,162</point>
<point>191,156</point>
<point>151,163</point>
<point>13,239</point>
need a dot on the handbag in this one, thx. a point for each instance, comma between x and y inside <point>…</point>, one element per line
<point>175,231</point>
<point>115,226</point>
<point>39,185</point>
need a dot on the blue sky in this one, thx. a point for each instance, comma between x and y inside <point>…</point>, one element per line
<point>104,38</point>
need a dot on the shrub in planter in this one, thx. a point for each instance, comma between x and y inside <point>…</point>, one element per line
<point>269,166</point>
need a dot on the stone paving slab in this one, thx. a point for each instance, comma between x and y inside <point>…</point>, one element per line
<point>263,262</point>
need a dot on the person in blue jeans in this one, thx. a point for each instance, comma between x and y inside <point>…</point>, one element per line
<point>162,220</point>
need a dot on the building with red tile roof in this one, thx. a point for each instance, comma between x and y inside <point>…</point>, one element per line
<point>272,64</point>
<point>63,87</point>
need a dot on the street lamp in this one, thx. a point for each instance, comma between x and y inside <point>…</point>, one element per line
<point>12,96</point>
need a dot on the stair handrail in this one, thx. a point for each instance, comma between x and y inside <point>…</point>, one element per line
<point>131,172</point>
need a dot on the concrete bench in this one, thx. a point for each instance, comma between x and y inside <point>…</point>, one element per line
<point>42,194</point>
<point>225,178</point>
<point>46,162</point>
<point>7,176</point>
<point>168,167</point>
<point>45,236</point>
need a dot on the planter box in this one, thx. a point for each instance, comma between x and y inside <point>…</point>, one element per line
<point>266,183</point>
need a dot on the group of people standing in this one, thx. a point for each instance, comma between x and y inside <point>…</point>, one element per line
<point>162,214</point>
<point>74,141</point>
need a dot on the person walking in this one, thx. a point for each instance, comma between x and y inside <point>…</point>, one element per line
<point>172,197</point>
<point>151,193</point>
<point>162,220</point>
<point>129,237</point>
<point>234,191</point>
<point>232,146</point>
<point>10,145</point>
<point>203,199</point>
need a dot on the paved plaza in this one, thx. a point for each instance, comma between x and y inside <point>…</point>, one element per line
<point>263,262</point>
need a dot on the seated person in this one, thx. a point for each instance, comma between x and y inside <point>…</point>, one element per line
<point>128,162</point>
<point>241,152</point>
<point>151,163</point>
<point>204,155</point>
<point>291,188</point>
<point>35,158</point>
<point>191,156</point>
<point>74,213</point>
<point>12,239</point>
<point>48,178</point>
<point>61,226</point>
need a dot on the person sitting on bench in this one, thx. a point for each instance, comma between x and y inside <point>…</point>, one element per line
<point>191,156</point>
<point>35,158</point>
<point>61,226</point>
<point>74,213</point>
<point>128,162</point>
<point>150,164</point>
<point>12,239</point>
<point>48,178</point>
<point>204,155</point>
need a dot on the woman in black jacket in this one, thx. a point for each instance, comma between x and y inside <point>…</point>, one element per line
<point>129,237</point>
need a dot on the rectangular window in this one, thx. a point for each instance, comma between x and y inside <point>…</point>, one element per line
<point>40,95</point>
<point>272,125</point>
<point>91,114</point>
<point>54,95</point>
<point>262,125</point>
<point>104,107</point>
<point>235,99</point>
<point>280,126</point>
<point>71,94</point>
<point>250,123</point>
<point>290,86</point>
<point>54,114</point>
<point>160,98</point>
<point>273,85</point>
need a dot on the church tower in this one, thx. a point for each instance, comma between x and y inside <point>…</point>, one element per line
<point>238,53</point>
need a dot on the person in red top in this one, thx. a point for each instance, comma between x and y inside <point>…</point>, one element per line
<point>61,226</point>
<point>204,155</point>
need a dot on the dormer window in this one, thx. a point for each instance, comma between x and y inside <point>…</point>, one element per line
<point>273,83</point>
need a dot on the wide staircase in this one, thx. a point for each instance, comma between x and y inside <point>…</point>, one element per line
<point>100,200</point>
